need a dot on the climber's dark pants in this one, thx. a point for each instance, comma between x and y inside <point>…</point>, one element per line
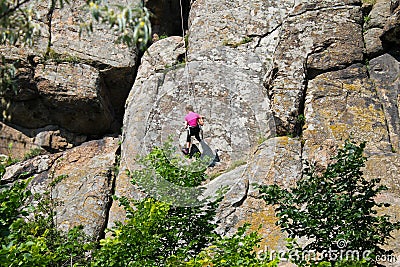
<point>193,131</point>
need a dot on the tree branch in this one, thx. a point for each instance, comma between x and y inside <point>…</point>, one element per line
<point>13,9</point>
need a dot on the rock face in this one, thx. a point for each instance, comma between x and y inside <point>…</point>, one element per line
<point>14,143</point>
<point>301,63</point>
<point>384,72</point>
<point>86,175</point>
<point>356,103</point>
<point>375,21</point>
<point>279,83</point>
<point>79,105</point>
<point>391,30</point>
<point>276,161</point>
<point>79,84</point>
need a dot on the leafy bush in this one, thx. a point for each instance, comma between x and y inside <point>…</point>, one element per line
<point>167,176</point>
<point>12,199</point>
<point>335,210</point>
<point>238,250</point>
<point>153,232</point>
<point>163,161</point>
<point>28,233</point>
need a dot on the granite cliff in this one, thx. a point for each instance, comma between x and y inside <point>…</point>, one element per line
<point>279,82</point>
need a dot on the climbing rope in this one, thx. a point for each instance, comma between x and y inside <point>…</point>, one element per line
<point>208,27</point>
<point>191,92</point>
<point>189,82</point>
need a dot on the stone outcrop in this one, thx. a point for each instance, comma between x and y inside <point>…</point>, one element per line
<point>226,93</point>
<point>17,143</point>
<point>385,74</point>
<point>78,83</point>
<point>54,139</point>
<point>304,62</point>
<point>79,105</point>
<point>391,31</point>
<point>14,143</point>
<point>279,83</point>
<point>356,103</point>
<point>316,37</point>
<point>374,23</point>
<point>162,55</point>
<point>85,176</point>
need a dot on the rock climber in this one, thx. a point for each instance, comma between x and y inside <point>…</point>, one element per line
<point>193,123</point>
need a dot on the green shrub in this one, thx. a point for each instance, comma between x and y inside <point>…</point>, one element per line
<point>237,250</point>
<point>169,167</point>
<point>29,235</point>
<point>335,207</point>
<point>168,177</point>
<point>12,199</point>
<point>153,232</point>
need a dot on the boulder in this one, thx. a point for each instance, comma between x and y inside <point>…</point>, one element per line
<point>54,139</point>
<point>79,83</point>
<point>84,175</point>
<point>14,143</point>
<point>70,95</point>
<point>374,22</point>
<point>391,32</point>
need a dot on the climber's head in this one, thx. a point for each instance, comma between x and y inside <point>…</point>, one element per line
<point>189,108</point>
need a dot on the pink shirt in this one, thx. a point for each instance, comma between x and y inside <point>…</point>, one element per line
<point>191,118</point>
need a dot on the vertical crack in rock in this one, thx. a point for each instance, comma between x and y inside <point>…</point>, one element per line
<point>383,73</point>
<point>306,45</point>
<point>386,119</point>
<point>167,20</point>
<point>268,84</point>
<point>298,129</point>
<point>156,101</point>
<point>381,101</point>
<point>112,175</point>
